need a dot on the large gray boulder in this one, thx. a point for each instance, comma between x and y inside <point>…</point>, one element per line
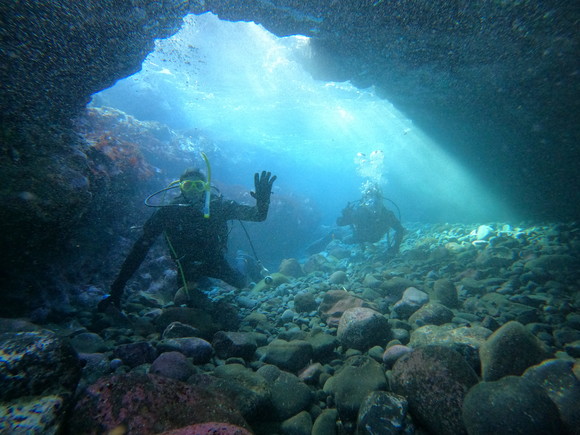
<point>434,380</point>
<point>511,405</point>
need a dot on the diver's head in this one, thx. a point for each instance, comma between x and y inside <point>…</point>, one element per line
<point>192,184</point>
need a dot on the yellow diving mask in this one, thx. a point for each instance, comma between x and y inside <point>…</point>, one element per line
<point>188,186</point>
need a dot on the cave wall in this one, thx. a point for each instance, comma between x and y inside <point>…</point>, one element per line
<point>495,81</point>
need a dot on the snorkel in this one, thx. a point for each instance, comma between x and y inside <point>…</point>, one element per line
<point>187,186</point>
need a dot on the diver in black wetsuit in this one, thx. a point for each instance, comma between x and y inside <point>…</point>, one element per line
<point>370,219</point>
<point>195,227</point>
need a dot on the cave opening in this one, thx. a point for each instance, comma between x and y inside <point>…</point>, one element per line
<point>249,98</point>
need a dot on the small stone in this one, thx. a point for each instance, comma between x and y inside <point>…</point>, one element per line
<point>384,413</point>
<point>484,232</point>
<point>431,314</point>
<point>172,365</point>
<point>393,353</point>
<point>289,395</point>
<point>234,344</point>
<point>371,281</point>
<point>411,301</point>
<point>338,277</point>
<point>325,423</point>
<point>134,354</point>
<point>291,267</point>
<point>287,316</point>
<point>287,355</point>
<point>305,302</point>
<point>557,379</point>
<point>445,293</point>
<point>199,350</point>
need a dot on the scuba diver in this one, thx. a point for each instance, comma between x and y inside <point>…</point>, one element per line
<point>370,219</point>
<point>195,226</point>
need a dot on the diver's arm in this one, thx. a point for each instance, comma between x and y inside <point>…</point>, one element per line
<point>151,230</point>
<point>263,189</point>
<point>346,218</point>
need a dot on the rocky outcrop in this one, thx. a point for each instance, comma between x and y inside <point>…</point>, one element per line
<point>468,66</point>
<point>39,373</point>
<point>490,72</point>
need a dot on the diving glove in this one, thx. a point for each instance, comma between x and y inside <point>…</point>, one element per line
<point>263,184</point>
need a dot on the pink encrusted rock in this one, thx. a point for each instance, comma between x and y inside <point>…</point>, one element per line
<point>211,428</point>
<point>148,404</point>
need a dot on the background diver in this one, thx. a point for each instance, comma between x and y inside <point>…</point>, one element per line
<point>195,226</point>
<point>371,220</point>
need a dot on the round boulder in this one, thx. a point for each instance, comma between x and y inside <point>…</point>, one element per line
<point>172,365</point>
<point>558,380</point>
<point>511,405</point>
<point>359,376</point>
<point>431,314</point>
<point>361,328</point>
<point>434,380</point>
<point>510,351</point>
<point>445,293</point>
<point>229,344</point>
<point>288,355</point>
<point>412,300</point>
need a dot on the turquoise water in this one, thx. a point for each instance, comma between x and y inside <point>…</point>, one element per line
<point>238,89</point>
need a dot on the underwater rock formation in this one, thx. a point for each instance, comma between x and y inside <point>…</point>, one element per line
<point>490,72</point>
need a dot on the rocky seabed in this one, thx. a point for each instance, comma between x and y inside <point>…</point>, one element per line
<point>469,329</point>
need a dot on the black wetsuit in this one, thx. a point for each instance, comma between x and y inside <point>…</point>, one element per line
<point>197,244</point>
<point>371,222</point>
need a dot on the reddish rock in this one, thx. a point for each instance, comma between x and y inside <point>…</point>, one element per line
<point>147,404</point>
<point>209,429</point>
<point>434,380</point>
<point>336,302</point>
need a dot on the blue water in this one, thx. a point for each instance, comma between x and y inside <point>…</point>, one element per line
<point>249,94</point>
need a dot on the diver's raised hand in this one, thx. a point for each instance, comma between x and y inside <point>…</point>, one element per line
<point>263,185</point>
